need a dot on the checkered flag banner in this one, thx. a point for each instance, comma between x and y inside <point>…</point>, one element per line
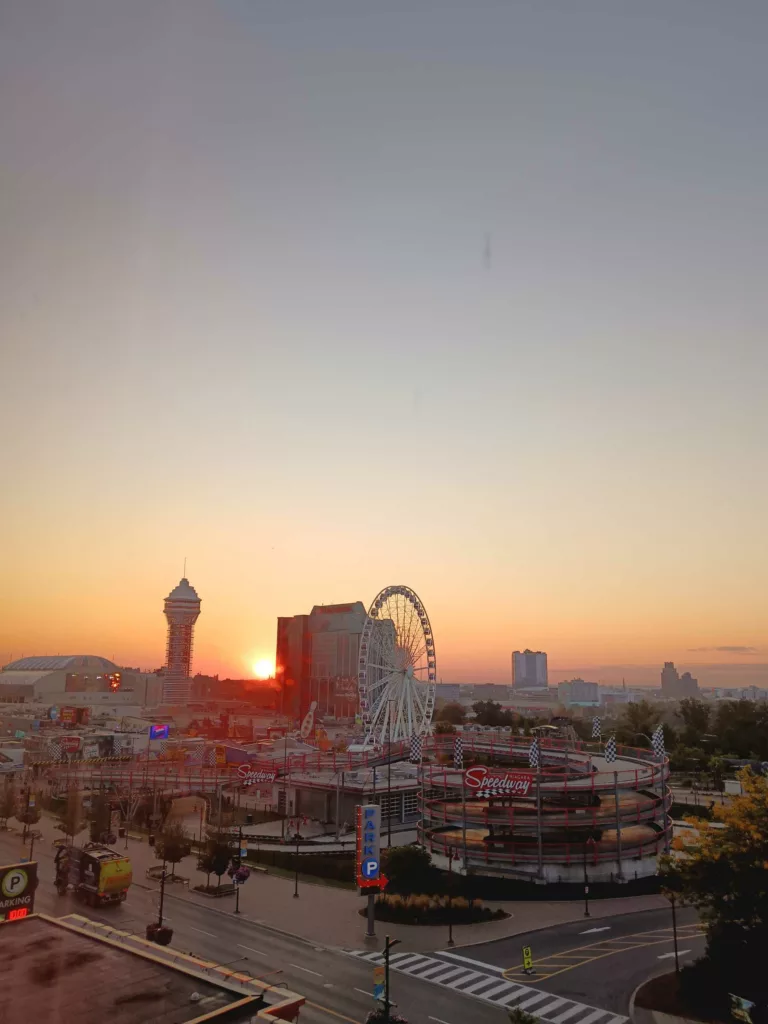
<point>657,742</point>
<point>533,753</point>
<point>54,750</point>
<point>210,758</point>
<point>596,724</point>
<point>610,749</point>
<point>417,743</point>
<point>458,753</point>
<point>163,748</point>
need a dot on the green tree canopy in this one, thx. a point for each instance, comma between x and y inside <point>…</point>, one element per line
<point>453,713</point>
<point>408,868</point>
<point>8,800</point>
<point>72,819</point>
<point>724,873</point>
<point>637,722</point>
<point>695,718</point>
<point>173,844</point>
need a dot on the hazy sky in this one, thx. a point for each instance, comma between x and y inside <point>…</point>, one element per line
<point>334,294</point>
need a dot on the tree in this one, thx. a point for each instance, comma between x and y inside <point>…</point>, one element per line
<point>408,868</point>
<point>30,815</point>
<point>453,713</point>
<point>488,712</point>
<point>741,727</point>
<point>637,723</point>
<point>217,854</point>
<point>173,844</point>
<point>8,801</point>
<point>99,818</point>
<point>444,729</point>
<point>723,873</point>
<point>72,819</point>
<point>695,717</point>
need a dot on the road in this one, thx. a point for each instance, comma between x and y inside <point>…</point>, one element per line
<point>588,959</point>
<point>336,986</point>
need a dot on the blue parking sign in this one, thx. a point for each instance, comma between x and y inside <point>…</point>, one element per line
<point>370,868</point>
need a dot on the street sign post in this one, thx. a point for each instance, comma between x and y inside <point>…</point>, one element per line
<point>527,960</point>
<point>17,890</point>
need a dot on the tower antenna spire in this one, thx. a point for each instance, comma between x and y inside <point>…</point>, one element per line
<point>184,574</point>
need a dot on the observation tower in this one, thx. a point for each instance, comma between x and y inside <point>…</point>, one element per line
<point>181,609</point>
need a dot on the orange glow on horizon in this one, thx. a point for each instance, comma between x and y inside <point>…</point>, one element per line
<point>264,668</point>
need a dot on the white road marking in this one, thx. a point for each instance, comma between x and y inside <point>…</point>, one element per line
<point>300,968</point>
<point>595,1015</point>
<point>477,963</point>
<point>251,949</point>
<point>666,956</point>
<point>590,931</point>
<point>439,1021</point>
<point>369,994</point>
<point>576,1008</point>
<point>200,930</point>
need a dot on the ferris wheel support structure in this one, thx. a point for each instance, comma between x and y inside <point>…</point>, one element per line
<point>397,667</point>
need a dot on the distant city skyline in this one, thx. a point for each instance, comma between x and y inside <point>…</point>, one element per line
<point>332,296</point>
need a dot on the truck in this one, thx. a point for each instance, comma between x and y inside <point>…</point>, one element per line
<point>97,875</point>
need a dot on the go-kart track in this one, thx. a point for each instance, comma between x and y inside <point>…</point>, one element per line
<point>497,816</point>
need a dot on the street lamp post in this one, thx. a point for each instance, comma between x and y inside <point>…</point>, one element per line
<point>674,931</point>
<point>240,864</point>
<point>388,944</point>
<point>296,868</point>
<point>450,893</point>
<point>588,845</point>
<point>390,702</point>
<point>162,898</point>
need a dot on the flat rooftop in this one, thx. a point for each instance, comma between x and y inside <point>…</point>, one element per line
<point>70,969</point>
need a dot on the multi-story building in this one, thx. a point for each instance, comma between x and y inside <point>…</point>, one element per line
<point>676,686</point>
<point>181,609</point>
<point>317,659</point>
<point>578,691</point>
<point>529,669</point>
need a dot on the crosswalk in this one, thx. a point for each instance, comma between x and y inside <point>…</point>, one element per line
<point>490,986</point>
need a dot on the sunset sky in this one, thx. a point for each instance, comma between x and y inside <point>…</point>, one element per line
<point>329,295</point>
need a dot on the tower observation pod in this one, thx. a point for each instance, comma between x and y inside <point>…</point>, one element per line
<point>181,609</point>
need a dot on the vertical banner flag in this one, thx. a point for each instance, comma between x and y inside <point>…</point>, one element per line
<point>596,723</point>
<point>657,742</point>
<point>416,748</point>
<point>368,854</point>
<point>610,749</point>
<point>458,754</point>
<point>533,753</point>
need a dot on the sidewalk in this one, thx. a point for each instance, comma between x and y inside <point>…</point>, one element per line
<point>329,916</point>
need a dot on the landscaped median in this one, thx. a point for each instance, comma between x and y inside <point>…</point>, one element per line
<point>423,909</point>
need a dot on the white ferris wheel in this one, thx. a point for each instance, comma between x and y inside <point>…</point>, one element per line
<point>396,669</point>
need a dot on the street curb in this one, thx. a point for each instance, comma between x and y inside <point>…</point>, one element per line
<point>547,927</point>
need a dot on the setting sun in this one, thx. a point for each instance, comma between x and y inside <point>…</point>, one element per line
<point>264,668</point>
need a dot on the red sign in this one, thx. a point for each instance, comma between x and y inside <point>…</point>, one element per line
<point>68,715</point>
<point>70,744</point>
<point>492,782</point>
<point>14,915</point>
<point>248,774</point>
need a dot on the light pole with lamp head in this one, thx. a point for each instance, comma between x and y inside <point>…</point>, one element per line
<point>589,844</point>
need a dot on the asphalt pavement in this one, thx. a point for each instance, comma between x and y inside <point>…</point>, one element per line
<point>337,987</point>
<point>598,961</point>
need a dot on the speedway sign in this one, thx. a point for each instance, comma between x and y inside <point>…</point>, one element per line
<point>254,774</point>
<point>486,781</point>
